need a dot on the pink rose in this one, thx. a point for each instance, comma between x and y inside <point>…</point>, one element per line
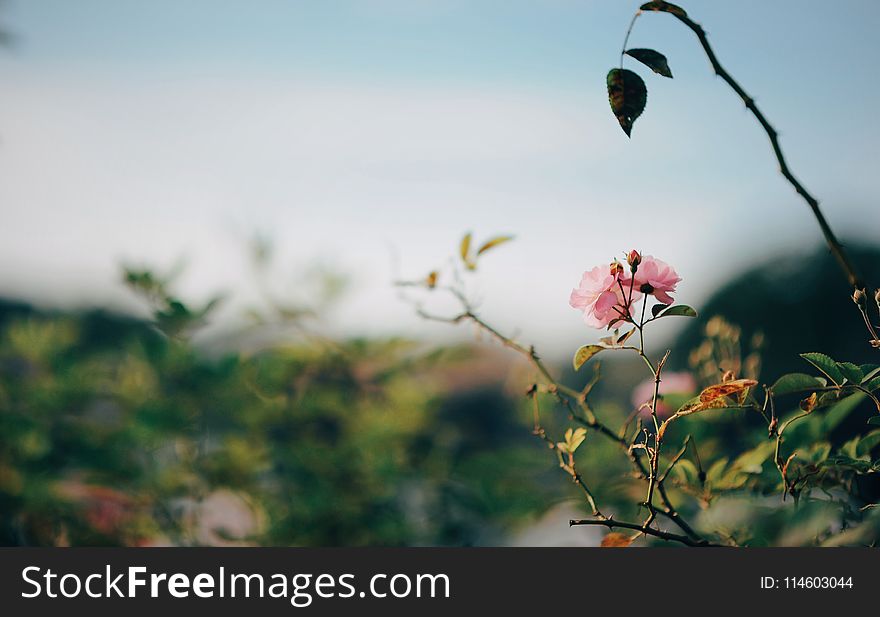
<point>670,383</point>
<point>654,277</point>
<point>600,297</point>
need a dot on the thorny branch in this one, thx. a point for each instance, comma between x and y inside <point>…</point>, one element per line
<point>830,238</point>
<point>575,403</point>
<point>834,244</point>
<point>642,529</point>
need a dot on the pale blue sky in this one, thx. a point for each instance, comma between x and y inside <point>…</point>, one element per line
<point>154,130</point>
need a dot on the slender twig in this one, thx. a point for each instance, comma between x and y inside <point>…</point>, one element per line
<point>658,441</point>
<point>859,296</point>
<point>788,487</point>
<point>629,30</point>
<point>568,467</point>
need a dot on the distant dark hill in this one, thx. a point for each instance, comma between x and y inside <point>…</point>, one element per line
<point>800,304</point>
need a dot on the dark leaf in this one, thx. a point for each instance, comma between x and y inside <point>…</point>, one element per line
<point>826,365</point>
<point>654,60</point>
<point>628,95</point>
<point>625,337</point>
<point>655,310</point>
<point>795,382</point>
<point>852,372</point>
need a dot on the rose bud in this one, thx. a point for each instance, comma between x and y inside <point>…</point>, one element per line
<point>633,259</point>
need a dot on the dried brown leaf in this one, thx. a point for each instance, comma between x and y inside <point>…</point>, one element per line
<point>726,389</point>
<point>616,540</point>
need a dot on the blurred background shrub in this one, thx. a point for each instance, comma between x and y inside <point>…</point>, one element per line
<point>122,431</point>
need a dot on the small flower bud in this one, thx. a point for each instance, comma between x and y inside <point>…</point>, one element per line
<point>859,296</point>
<point>616,268</point>
<point>633,259</point>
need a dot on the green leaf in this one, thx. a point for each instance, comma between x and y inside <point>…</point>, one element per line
<point>657,308</point>
<point>690,404</point>
<point>665,7</point>
<point>857,465</point>
<point>716,470</point>
<point>585,353</point>
<point>867,443</point>
<point>795,382</point>
<point>627,95</point>
<point>816,454</point>
<point>849,448</point>
<point>731,480</point>
<point>574,438</point>
<point>875,420</point>
<point>492,243</point>
<point>872,385</point>
<point>837,413</point>
<point>826,365</point>
<point>751,461</point>
<point>654,60</point>
<point>686,471</point>
<point>679,310</point>
<point>870,370</point>
<point>851,371</point>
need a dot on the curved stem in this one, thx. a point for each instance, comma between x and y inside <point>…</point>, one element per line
<point>626,38</point>
<point>830,238</point>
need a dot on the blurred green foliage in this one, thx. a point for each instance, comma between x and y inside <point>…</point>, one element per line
<point>820,487</point>
<point>123,432</point>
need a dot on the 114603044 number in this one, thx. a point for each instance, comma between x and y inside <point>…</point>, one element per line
<point>817,582</point>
